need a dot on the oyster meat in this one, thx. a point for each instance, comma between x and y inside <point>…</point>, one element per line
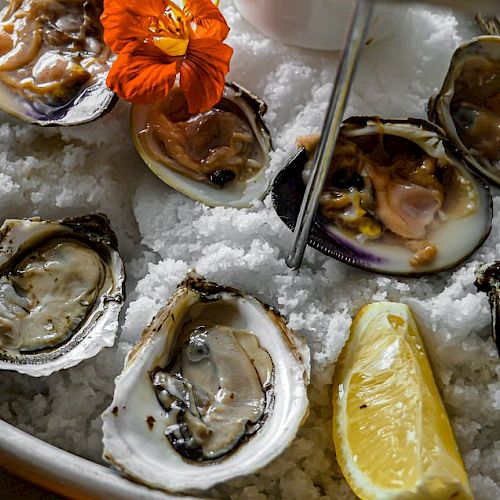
<point>214,393</point>
<point>396,199</point>
<point>218,157</point>
<point>53,61</point>
<point>217,380</point>
<point>468,104</point>
<point>61,290</point>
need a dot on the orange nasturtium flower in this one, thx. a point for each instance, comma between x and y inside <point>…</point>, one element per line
<point>157,39</point>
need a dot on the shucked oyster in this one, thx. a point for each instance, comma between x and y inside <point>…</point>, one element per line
<point>218,157</point>
<point>61,290</point>
<point>53,61</point>
<point>468,104</point>
<point>214,392</point>
<point>215,389</point>
<point>396,199</point>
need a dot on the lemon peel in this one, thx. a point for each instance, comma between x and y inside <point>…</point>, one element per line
<point>392,435</point>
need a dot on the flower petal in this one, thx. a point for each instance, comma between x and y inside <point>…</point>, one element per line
<point>208,19</point>
<point>202,73</point>
<point>127,21</point>
<point>148,8</point>
<point>143,76</point>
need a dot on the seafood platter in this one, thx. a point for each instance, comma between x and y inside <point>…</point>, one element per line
<point>153,341</point>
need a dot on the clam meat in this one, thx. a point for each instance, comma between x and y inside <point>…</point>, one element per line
<point>53,61</point>
<point>468,104</point>
<point>218,157</point>
<point>396,199</point>
<point>217,383</point>
<point>60,292</point>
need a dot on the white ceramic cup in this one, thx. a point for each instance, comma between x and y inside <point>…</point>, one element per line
<point>314,24</point>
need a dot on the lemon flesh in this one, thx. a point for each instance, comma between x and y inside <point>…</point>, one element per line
<point>392,436</point>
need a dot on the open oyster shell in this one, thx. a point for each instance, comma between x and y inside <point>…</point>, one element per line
<point>468,105</point>
<point>61,291</point>
<point>174,365</point>
<point>53,62</point>
<point>453,237</point>
<point>207,152</point>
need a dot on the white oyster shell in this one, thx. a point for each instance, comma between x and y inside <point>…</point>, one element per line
<point>134,423</point>
<point>98,328</point>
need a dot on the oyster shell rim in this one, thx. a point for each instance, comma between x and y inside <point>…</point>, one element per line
<point>107,100</point>
<point>487,280</point>
<point>197,283</point>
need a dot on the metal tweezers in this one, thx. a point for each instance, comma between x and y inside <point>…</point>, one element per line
<point>360,22</point>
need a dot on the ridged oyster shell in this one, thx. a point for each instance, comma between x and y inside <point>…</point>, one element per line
<point>34,259</point>
<point>134,424</point>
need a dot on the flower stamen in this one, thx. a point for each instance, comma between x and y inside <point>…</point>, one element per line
<point>170,34</point>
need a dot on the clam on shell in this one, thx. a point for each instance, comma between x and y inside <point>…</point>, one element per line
<point>134,425</point>
<point>453,248</point>
<point>92,100</point>
<point>234,194</point>
<point>22,239</point>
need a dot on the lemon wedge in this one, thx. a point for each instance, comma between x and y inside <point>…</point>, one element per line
<point>392,436</point>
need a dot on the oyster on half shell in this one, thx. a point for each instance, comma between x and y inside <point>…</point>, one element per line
<point>468,105</point>
<point>61,291</point>
<point>215,389</point>
<point>54,62</point>
<point>218,157</point>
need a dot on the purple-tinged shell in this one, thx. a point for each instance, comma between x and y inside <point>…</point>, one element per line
<point>289,187</point>
<point>62,33</point>
<point>91,103</point>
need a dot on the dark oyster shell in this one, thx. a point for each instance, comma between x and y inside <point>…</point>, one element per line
<point>440,106</point>
<point>488,280</point>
